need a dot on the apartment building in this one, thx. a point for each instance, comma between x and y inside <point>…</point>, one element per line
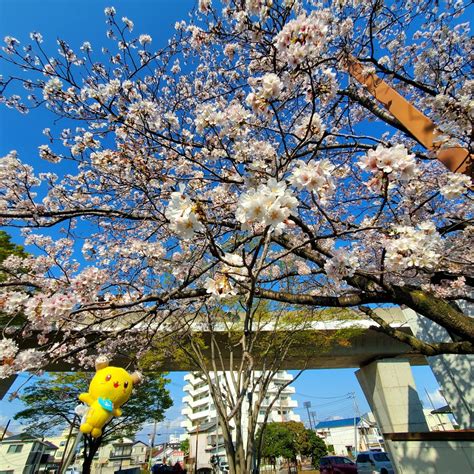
<point>201,418</point>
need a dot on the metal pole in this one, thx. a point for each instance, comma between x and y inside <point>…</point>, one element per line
<point>152,445</point>
<point>355,426</point>
<point>197,444</point>
<point>67,444</point>
<point>307,405</point>
<point>313,414</point>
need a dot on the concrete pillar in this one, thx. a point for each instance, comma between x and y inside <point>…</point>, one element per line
<point>454,373</point>
<point>390,390</point>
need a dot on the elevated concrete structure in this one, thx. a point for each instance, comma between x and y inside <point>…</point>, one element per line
<point>359,347</point>
<point>454,373</point>
<point>385,376</point>
<point>390,390</point>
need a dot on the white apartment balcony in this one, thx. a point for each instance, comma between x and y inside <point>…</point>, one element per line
<point>293,417</point>
<point>186,424</point>
<point>187,388</point>
<point>204,415</point>
<point>186,411</point>
<point>374,440</point>
<point>187,399</point>
<point>284,377</point>
<point>287,403</point>
<point>189,377</point>
<point>202,401</point>
<point>197,391</point>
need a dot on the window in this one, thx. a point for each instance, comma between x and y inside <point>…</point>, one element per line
<point>381,457</point>
<point>324,462</point>
<point>15,448</point>
<point>7,472</point>
<point>363,458</point>
<point>122,451</point>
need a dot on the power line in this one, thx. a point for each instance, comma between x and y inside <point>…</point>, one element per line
<point>299,394</point>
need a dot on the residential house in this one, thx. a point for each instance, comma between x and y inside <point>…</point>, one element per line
<point>349,435</point>
<point>26,454</point>
<point>120,454</point>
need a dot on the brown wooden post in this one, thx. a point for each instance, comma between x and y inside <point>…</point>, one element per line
<point>456,159</point>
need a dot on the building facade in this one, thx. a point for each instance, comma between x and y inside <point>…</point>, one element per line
<point>347,436</point>
<point>26,454</point>
<point>201,417</point>
<point>343,434</point>
<point>120,454</point>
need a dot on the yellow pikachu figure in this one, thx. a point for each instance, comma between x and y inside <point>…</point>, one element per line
<point>109,389</point>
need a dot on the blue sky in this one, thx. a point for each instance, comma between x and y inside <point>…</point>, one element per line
<point>83,20</point>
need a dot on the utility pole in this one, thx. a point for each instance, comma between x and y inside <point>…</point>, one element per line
<point>307,405</point>
<point>152,445</point>
<point>313,414</point>
<point>355,424</point>
<point>196,457</point>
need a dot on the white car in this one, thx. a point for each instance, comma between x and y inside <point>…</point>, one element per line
<point>73,470</point>
<point>371,462</point>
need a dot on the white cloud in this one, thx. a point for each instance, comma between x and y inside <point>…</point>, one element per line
<point>436,398</point>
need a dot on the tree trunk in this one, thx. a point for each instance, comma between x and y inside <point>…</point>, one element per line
<point>86,465</point>
<point>91,445</point>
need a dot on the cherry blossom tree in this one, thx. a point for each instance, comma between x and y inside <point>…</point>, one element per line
<point>238,354</point>
<point>240,160</point>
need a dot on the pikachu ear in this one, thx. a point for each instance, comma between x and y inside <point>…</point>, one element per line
<point>101,363</point>
<point>137,378</point>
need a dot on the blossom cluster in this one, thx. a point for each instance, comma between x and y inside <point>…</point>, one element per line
<point>456,185</point>
<point>310,127</point>
<point>12,360</point>
<point>232,269</point>
<point>303,38</point>
<point>343,264</point>
<point>269,204</point>
<point>270,89</point>
<point>414,247</point>
<point>181,212</point>
<point>231,122</point>
<point>392,162</point>
<point>315,176</point>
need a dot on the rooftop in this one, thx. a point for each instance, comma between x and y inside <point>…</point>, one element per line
<point>338,423</point>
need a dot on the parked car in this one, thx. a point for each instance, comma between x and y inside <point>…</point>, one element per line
<point>73,470</point>
<point>370,462</point>
<point>336,465</point>
<point>161,468</point>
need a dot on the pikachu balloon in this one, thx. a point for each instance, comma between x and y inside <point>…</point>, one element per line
<point>110,388</point>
